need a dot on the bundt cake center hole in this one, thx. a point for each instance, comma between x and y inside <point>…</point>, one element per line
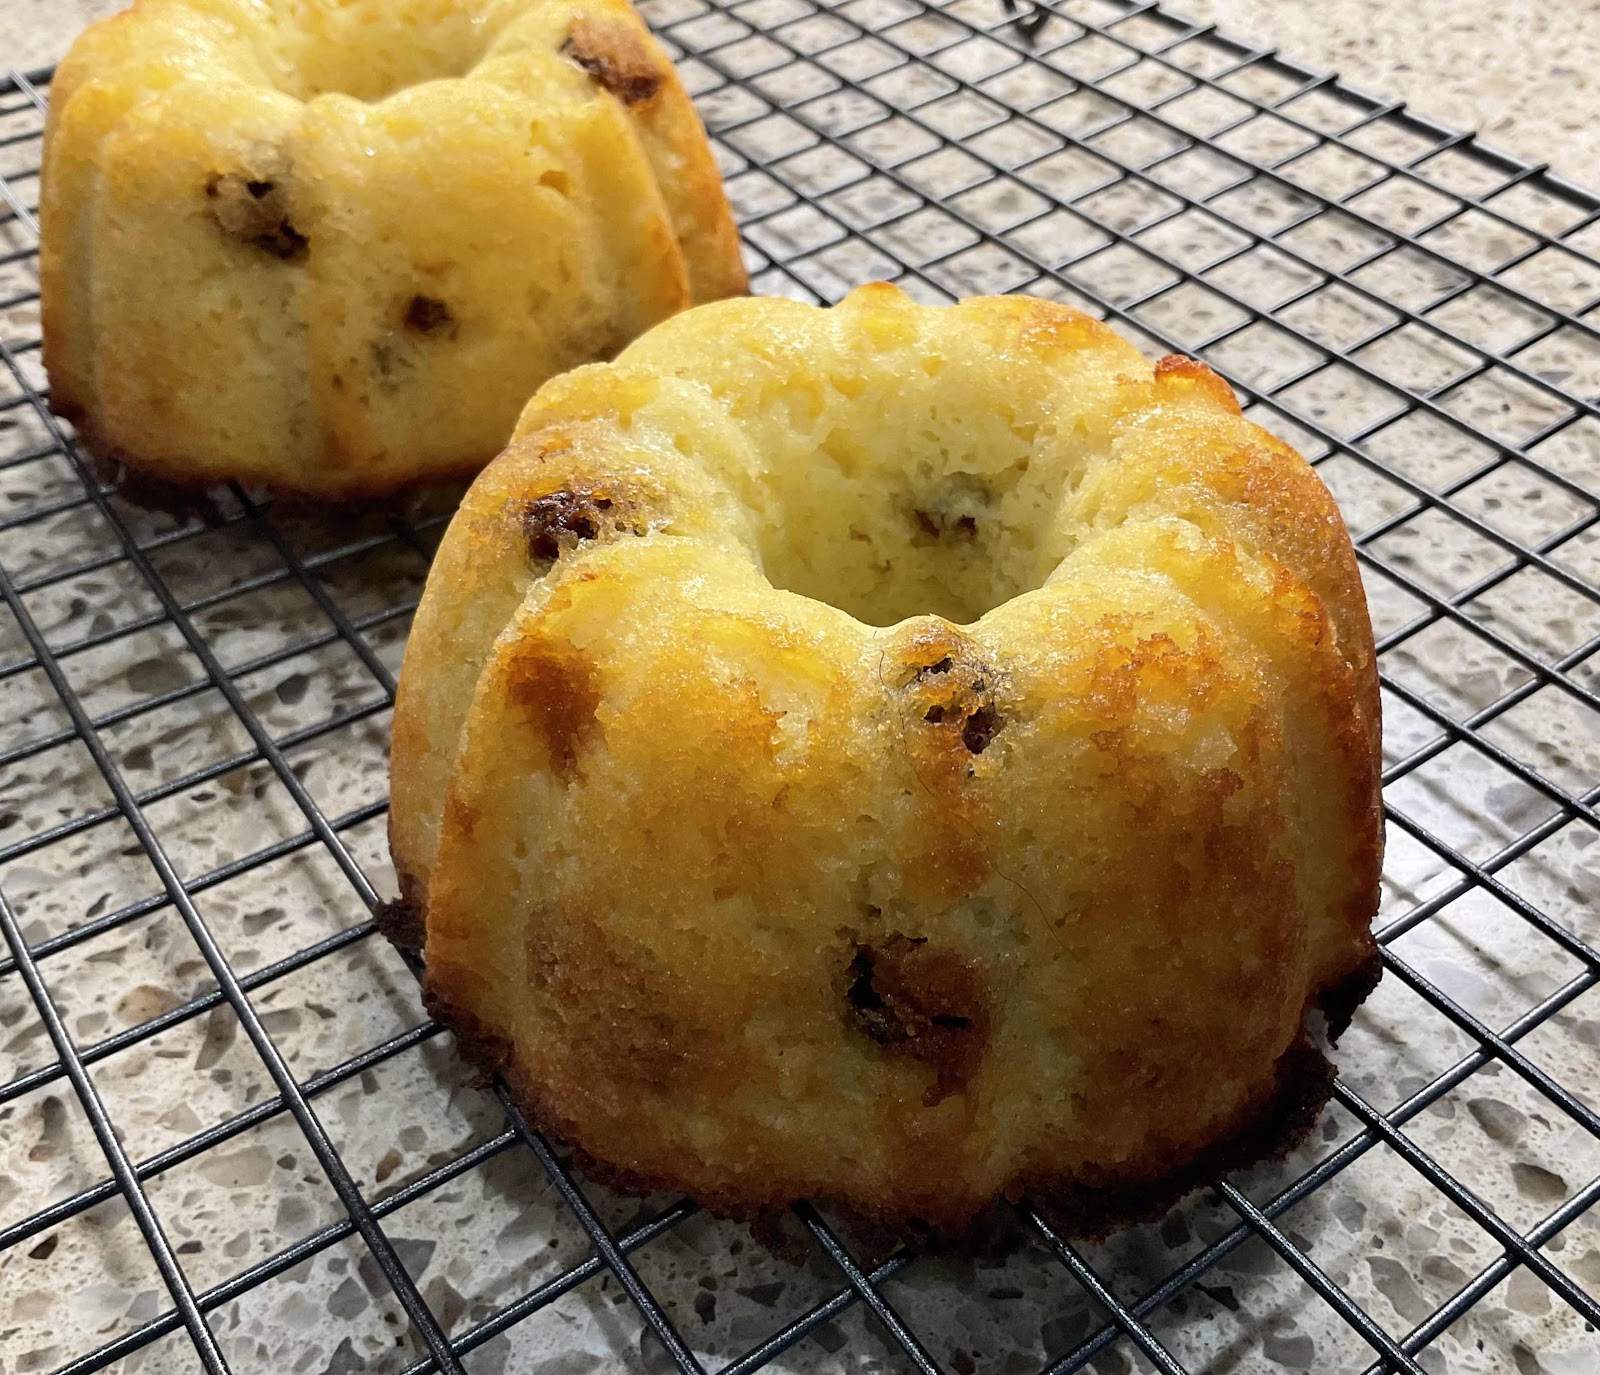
<point>371,49</point>
<point>886,537</point>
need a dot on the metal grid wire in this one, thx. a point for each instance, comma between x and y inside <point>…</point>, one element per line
<point>195,713</point>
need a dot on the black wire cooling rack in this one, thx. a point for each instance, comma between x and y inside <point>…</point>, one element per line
<point>192,756</point>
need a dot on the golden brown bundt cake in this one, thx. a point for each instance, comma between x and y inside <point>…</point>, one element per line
<point>897,754</point>
<point>332,246</point>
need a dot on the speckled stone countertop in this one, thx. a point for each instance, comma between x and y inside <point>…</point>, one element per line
<point>1397,1244</point>
<point>1526,75</point>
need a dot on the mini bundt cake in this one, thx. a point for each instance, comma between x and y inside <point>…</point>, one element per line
<point>896,754</point>
<point>332,246</point>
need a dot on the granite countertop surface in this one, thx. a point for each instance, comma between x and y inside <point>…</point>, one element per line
<point>1378,1229</point>
<point>1527,76</point>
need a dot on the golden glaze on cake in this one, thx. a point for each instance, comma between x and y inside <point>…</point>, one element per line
<point>761,883</point>
<point>332,246</point>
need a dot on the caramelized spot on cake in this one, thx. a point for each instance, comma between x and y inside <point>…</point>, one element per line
<point>926,1004</point>
<point>555,687</point>
<point>615,56</point>
<point>428,315</point>
<point>1192,373</point>
<point>960,694</point>
<point>980,728</point>
<point>558,522</point>
<point>256,211</point>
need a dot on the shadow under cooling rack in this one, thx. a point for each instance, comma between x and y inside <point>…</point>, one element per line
<point>227,1129</point>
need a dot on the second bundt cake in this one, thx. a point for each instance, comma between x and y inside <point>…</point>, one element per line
<point>896,754</point>
<point>332,246</point>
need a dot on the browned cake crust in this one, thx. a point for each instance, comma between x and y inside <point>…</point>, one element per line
<point>905,756</point>
<point>153,486</point>
<point>1267,1128</point>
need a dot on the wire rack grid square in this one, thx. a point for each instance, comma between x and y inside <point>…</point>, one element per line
<point>230,1136</point>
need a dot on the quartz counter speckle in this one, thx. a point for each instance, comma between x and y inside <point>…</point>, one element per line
<point>1398,1245</point>
<point>1525,75</point>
